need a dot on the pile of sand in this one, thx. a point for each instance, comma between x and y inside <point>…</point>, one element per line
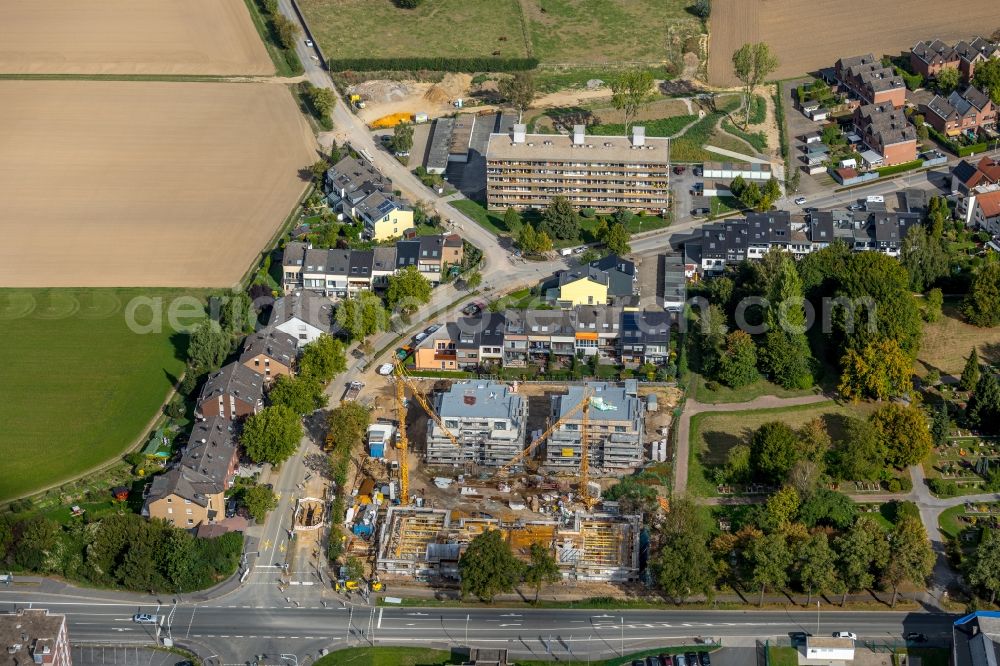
<point>437,95</point>
<point>380,91</point>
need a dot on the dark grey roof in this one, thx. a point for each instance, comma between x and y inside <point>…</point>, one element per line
<point>361,263</point>
<point>613,261</point>
<point>183,482</point>
<point>311,308</point>
<point>384,258</point>
<point>484,330</point>
<point>964,171</point>
<point>431,248</point>
<point>889,124</point>
<point>647,327</point>
<point>978,47</point>
<point>584,272</point>
<point>353,174</point>
<point>272,343</point>
<point>407,253</point>
<point>975,639</point>
<point>377,205</point>
<point>234,379</point>
<point>821,227</point>
<point>210,450</point>
<point>294,253</point>
<point>934,52</point>
<point>597,318</point>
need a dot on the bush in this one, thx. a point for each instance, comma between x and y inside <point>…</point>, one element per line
<point>712,385</point>
<point>409,64</point>
<point>893,485</point>
<point>899,168</point>
<point>943,488</point>
<point>407,4</point>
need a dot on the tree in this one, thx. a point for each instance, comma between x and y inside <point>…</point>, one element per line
<point>518,89</point>
<point>488,566</point>
<point>910,555</point>
<point>738,469</point>
<point>773,450</point>
<point>302,395</point>
<point>346,426</point>
<point>941,424</point>
<point>408,290</point>
<point>861,454</point>
<point>987,78</point>
<point>287,29</point>
<point>259,500</point>
<point>924,257</point>
<point>982,306</point>
<point>983,565</point>
<point>272,435</point>
<point>684,566</point>
<point>752,63</point>
<point>933,305</point>
<point>863,552</point>
<point>628,92</point>
<point>541,569</point>
<point>617,239</point>
<point>474,280</point>
<point>904,433</point>
<point>769,560</point>
<point>984,406</point>
<point>880,370</point>
<point>322,99</point>
<point>970,374</point>
<point>738,365</point>
<point>355,568</point>
<point>702,9</point>
<point>402,138</point>
<point>35,539</point>
<point>828,507</point>
<point>881,305</point>
<point>362,315</point>
<point>560,220</point>
<point>817,573</point>
<point>319,169</point>
<point>783,506</point>
<point>323,359</point>
<point>786,352</point>
<point>209,347</point>
<point>512,220</point>
<point>948,79</point>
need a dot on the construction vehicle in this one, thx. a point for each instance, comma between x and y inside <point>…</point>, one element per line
<point>346,585</point>
<point>356,101</point>
<point>403,379</point>
<point>375,585</point>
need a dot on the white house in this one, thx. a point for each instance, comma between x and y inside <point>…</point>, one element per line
<point>303,315</point>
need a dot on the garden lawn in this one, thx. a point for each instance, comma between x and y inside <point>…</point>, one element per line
<point>947,343</point>
<point>661,127</point>
<point>948,521</point>
<point>714,433</point>
<point>551,79</point>
<point>80,387</point>
<point>490,220</point>
<point>745,393</point>
<point>782,656</point>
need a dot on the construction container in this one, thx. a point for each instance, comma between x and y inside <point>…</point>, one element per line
<point>651,405</point>
<point>376,450</point>
<point>420,118</point>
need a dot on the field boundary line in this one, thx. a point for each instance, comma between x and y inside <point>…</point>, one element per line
<point>272,244</point>
<point>525,30</point>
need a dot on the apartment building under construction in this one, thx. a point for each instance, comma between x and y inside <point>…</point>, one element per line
<point>600,172</point>
<point>428,543</point>
<point>614,427</point>
<point>488,420</point>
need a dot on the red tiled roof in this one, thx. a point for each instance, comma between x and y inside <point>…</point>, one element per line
<point>989,203</point>
<point>989,168</point>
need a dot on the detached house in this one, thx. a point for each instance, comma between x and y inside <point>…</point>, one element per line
<point>962,112</point>
<point>356,188</point>
<point>269,353</point>
<point>232,393</point>
<point>583,286</point>
<point>986,212</point>
<point>303,315</point>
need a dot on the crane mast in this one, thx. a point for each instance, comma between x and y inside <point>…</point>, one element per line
<point>402,444</point>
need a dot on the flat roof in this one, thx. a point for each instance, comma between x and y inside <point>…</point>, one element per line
<point>595,149</point>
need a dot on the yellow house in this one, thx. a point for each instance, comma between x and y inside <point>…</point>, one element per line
<point>384,218</point>
<point>586,286</point>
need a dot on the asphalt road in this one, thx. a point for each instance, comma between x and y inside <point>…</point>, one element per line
<point>235,632</point>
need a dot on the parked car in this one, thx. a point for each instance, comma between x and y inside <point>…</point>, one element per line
<point>667,660</point>
<point>679,170</point>
<point>855,206</point>
<point>699,211</point>
<point>705,658</point>
<point>432,328</point>
<point>799,637</point>
<point>385,369</point>
<point>679,660</point>
<point>697,171</point>
<point>419,337</point>
<point>845,634</point>
<point>309,43</point>
<point>810,209</point>
<point>144,618</point>
<point>692,658</point>
<point>915,637</point>
<point>653,660</point>
<point>800,201</point>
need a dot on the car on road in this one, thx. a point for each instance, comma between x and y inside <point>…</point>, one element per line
<point>856,206</point>
<point>699,211</point>
<point>845,634</point>
<point>432,328</point>
<point>385,369</point>
<point>799,637</point>
<point>705,659</point>
<point>800,201</point>
<point>679,170</point>
<point>916,637</point>
<point>144,618</point>
<point>473,308</point>
<point>308,42</point>
<point>810,209</point>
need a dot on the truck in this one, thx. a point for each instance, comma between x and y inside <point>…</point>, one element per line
<point>352,392</point>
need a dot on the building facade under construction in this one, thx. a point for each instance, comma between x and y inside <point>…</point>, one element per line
<point>427,543</point>
<point>614,428</point>
<point>487,420</point>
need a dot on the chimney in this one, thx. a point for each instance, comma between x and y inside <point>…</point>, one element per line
<point>638,136</point>
<point>578,132</point>
<point>519,133</point>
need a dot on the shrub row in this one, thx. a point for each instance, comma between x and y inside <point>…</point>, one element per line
<point>779,119</point>
<point>480,64</point>
<point>956,148</point>
<point>899,168</point>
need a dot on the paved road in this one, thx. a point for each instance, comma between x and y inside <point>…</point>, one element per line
<point>235,632</point>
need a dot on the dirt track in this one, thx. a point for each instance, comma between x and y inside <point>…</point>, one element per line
<point>809,35</point>
<point>144,184</point>
<point>129,37</point>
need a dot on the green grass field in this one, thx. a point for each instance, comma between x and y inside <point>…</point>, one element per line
<point>79,385</point>
<point>555,31</point>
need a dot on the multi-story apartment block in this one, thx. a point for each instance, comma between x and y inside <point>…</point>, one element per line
<point>192,492</point>
<point>600,172</point>
<point>487,419</point>
<point>269,353</point>
<point>962,112</point>
<point>869,80</point>
<point>339,274</point>
<point>886,130</point>
<point>34,637</point>
<point>614,428</point>
<point>356,188</point>
<point>232,393</point>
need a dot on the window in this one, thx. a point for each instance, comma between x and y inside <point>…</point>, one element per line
<point>169,510</point>
<point>256,362</point>
<point>619,428</point>
<point>189,512</point>
<point>499,425</point>
<point>190,522</point>
<point>187,501</point>
<point>170,500</point>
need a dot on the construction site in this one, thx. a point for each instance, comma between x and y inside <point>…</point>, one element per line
<point>530,460</point>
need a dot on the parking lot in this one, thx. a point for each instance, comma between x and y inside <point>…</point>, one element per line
<point>798,125</point>
<point>681,185</point>
<point>99,655</point>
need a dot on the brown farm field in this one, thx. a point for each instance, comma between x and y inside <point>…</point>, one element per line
<point>807,35</point>
<point>109,184</point>
<point>128,37</point>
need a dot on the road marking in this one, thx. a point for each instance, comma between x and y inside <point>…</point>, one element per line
<point>194,609</point>
<point>380,611</point>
